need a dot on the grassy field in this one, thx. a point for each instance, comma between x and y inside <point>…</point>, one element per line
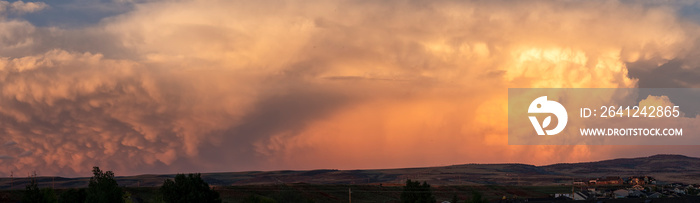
<point>335,193</point>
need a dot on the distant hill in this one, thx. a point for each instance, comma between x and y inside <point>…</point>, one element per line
<point>656,163</point>
<point>665,168</point>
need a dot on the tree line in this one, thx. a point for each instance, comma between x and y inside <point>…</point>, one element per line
<point>415,192</point>
<point>103,188</point>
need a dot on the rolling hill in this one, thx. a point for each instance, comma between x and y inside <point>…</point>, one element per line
<point>665,168</point>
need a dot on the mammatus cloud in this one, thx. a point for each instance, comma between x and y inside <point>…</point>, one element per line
<point>15,33</point>
<point>20,7</point>
<point>228,85</point>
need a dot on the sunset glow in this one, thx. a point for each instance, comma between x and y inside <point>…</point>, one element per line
<point>203,86</point>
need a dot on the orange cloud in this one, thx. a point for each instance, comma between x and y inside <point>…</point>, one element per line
<point>263,85</point>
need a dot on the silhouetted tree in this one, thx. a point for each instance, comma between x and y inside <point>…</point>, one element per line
<point>72,196</point>
<point>103,188</point>
<point>692,191</point>
<point>33,194</point>
<point>190,188</point>
<point>127,197</point>
<point>477,198</point>
<point>455,199</point>
<point>414,192</point>
<point>49,195</point>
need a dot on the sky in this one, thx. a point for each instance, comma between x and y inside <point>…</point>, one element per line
<point>154,87</point>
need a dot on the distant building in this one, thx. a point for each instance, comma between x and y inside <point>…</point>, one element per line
<point>557,195</point>
<point>641,180</point>
<point>679,190</point>
<point>635,193</point>
<point>580,182</point>
<point>637,187</point>
<point>621,193</point>
<point>583,195</point>
<point>636,181</point>
<point>616,180</point>
<point>654,195</point>
<point>610,180</point>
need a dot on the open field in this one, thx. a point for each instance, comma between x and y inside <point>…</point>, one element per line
<point>360,193</point>
<point>338,193</point>
<point>494,181</point>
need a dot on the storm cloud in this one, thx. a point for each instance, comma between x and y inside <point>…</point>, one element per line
<point>187,86</point>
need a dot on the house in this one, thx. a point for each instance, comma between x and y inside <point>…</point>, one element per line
<point>637,187</point>
<point>580,182</point>
<point>678,190</point>
<point>641,180</point>
<point>567,195</point>
<point>610,180</point>
<point>636,181</point>
<point>654,195</point>
<point>583,195</point>
<point>649,180</point>
<point>621,193</point>
<point>635,193</point>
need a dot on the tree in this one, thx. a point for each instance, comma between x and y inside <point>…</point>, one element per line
<point>127,197</point>
<point>455,199</point>
<point>414,192</point>
<point>33,194</point>
<point>103,188</point>
<point>49,195</point>
<point>477,198</point>
<point>190,188</point>
<point>692,191</point>
<point>72,195</point>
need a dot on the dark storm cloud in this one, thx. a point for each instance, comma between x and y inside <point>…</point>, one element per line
<point>671,74</point>
<point>193,86</point>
